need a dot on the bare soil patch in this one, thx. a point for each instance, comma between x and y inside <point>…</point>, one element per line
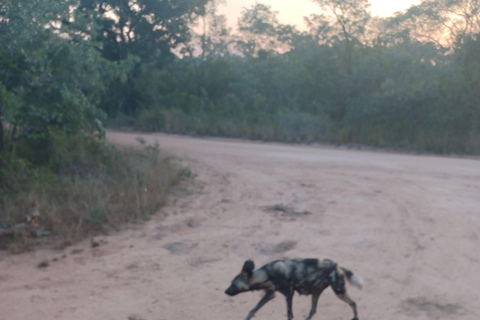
<point>285,211</point>
<point>435,310</point>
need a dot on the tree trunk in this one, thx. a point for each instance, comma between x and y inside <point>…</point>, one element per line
<point>1,136</point>
<point>204,36</point>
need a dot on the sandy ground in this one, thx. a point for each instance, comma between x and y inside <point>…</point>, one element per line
<point>409,225</point>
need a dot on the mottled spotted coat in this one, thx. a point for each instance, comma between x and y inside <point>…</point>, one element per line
<point>306,276</point>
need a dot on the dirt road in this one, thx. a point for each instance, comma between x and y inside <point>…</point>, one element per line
<point>409,225</point>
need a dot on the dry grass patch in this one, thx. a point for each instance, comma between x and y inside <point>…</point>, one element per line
<point>96,190</point>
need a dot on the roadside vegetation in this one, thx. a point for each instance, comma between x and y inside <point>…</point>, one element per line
<point>52,140</point>
<point>89,188</point>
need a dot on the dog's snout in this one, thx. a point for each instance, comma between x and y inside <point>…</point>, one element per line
<point>231,291</point>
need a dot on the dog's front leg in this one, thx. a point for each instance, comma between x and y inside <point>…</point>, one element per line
<point>269,295</point>
<point>289,299</point>
<point>315,297</point>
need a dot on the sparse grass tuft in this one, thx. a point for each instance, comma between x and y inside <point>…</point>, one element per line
<point>43,264</point>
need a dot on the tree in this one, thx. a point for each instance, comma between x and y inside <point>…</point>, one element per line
<point>210,33</point>
<point>346,21</point>
<point>440,21</point>
<point>148,29</point>
<point>218,39</point>
<point>260,31</point>
<point>51,80</point>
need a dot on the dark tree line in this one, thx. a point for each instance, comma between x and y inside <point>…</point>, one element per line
<point>408,81</point>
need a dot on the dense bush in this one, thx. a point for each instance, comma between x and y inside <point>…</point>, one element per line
<point>350,79</point>
<point>402,96</point>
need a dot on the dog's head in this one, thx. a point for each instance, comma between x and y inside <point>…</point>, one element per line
<point>241,283</point>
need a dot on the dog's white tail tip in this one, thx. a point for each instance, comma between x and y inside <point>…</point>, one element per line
<point>357,281</point>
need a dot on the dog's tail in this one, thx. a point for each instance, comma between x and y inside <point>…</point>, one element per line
<point>353,279</point>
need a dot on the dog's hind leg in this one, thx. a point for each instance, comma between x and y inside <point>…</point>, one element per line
<point>315,297</point>
<point>338,286</point>
<point>269,295</point>
<point>344,297</point>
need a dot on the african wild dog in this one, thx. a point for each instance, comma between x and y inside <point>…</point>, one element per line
<point>306,276</point>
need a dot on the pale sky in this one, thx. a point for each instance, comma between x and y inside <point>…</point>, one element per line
<point>293,11</point>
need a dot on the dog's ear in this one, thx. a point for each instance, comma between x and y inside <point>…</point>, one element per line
<point>248,267</point>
